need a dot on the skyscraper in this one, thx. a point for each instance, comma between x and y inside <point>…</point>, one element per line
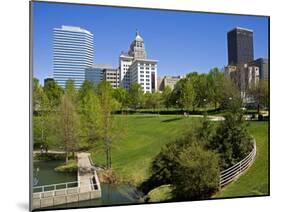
<point>240,46</point>
<point>134,67</point>
<point>73,54</point>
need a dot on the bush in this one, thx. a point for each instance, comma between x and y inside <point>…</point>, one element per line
<point>232,140</point>
<point>162,167</point>
<point>196,174</point>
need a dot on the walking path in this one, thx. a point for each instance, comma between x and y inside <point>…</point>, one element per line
<point>84,173</point>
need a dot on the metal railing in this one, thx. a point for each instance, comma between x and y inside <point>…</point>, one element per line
<point>57,186</point>
<point>66,188</point>
<point>231,173</point>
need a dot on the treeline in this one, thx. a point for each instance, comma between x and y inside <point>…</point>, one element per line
<point>72,119</point>
<point>195,90</point>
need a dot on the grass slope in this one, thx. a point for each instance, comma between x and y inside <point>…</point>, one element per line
<point>145,135</point>
<point>255,180</point>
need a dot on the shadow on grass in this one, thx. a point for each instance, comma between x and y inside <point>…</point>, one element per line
<point>173,119</point>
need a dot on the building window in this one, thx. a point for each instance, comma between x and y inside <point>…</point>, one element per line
<point>147,68</point>
<point>141,75</point>
<point>147,88</point>
<point>141,79</point>
<point>147,72</point>
<point>141,72</point>
<point>147,76</point>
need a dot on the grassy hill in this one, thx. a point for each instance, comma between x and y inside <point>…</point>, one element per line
<point>255,180</point>
<point>145,135</point>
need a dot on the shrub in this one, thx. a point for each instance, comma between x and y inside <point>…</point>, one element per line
<point>232,140</point>
<point>196,174</point>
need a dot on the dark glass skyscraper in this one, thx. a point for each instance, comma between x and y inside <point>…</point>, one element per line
<point>240,46</point>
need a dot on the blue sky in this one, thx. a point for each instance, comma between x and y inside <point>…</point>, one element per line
<point>181,41</point>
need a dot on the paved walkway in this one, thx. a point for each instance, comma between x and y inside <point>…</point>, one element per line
<point>84,173</point>
<point>49,151</point>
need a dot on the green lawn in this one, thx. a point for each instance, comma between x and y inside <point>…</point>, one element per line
<point>255,180</point>
<point>133,154</point>
<point>145,135</point>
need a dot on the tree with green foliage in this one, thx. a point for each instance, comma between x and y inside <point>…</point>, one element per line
<point>183,94</point>
<point>108,104</point>
<point>68,125</point>
<point>90,113</point>
<point>86,88</point>
<point>166,97</point>
<point>230,96</point>
<point>135,95</point>
<point>54,92</point>
<point>215,81</point>
<point>205,131</point>
<point>201,90</point>
<point>260,94</point>
<point>196,173</point>
<point>121,95</point>
<point>71,91</point>
<point>152,100</point>
<point>231,140</point>
<point>163,166</point>
<point>41,119</point>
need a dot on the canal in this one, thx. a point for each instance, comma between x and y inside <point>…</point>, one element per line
<point>112,194</point>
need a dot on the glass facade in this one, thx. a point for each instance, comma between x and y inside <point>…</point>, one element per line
<point>240,46</point>
<point>73,54</point>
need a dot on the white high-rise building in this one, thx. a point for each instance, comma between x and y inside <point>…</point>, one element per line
<point>73,54</point>
<point>134,67</point>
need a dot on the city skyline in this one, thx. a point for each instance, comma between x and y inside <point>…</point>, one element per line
<point>203,38</point>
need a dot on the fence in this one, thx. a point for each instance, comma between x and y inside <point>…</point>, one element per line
<point>228,175</point>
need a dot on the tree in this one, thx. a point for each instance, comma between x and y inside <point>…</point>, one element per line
<point>205,131</point>
<point>163,165</point>
<point>121,95</point>
<point>196,173</point>
<point>201,90</point>
<point>36,94</point>
<point>71,91</point>
<point>166,97</point>
<point>108,104</point>
<point>135,95</point>
<point>90,110</point>
<point>183,94</point>
<point>188,166</point>
<point>54,92</point>
<point>152,100</point>
<point>260,94</point>
<point>41,120</point>
<point>215,85</point>
<point>68,125</point>
<point>231,140</point>
<point>86,88</point>
<point>230,96</point>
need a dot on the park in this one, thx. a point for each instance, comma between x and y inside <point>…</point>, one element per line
<point>151,147</point>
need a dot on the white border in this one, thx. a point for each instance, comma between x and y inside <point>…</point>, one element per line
<point>14,106</point>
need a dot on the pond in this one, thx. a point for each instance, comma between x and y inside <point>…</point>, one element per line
<point>111,194</point>
<point>46,174</point>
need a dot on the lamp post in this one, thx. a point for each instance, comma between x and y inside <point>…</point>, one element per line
<point>205,111</point>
